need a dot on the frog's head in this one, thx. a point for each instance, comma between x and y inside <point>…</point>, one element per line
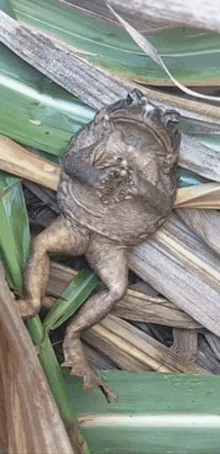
<point>161,122</point>
<point>139,124</point>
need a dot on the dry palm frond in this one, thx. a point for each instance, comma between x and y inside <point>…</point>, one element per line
<point>17,160</point>
<point>181,267</point>
<point>136,305</point>
<point>205,223</point>
<point>185,343</point>
<point>204,196</point>
<point>203,15</point>
<point>117,332</point>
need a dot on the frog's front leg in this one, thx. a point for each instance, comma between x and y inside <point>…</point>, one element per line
<point>110,261</point>
<point>78,164</point>
<point>59,238</point>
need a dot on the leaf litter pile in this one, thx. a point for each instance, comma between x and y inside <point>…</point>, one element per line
<point>168,320</point>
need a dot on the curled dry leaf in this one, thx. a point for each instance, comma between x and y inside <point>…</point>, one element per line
<point>151,51</point>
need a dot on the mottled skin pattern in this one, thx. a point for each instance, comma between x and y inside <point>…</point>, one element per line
<point>117,186</point>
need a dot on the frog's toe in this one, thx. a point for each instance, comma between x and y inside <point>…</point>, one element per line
<point>108,393</point>
<point>91,380</point>
<point>76,361</point>
<point>27,308</point>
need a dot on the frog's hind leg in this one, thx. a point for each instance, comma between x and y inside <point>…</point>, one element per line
<point>110,261</point>
<point>61,237</point>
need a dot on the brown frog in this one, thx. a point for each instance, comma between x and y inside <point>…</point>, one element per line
<point>117,186</point>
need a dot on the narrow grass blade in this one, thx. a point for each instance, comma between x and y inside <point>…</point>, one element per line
<point>51,368</point>
<point>14,250</point>
<point>56,381</point>
<point>72,298</point>
<point>14,236</point>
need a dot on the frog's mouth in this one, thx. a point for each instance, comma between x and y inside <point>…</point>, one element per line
<point>153,125</point>
<point>168,118</point>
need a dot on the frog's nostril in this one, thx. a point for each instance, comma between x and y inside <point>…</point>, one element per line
<point>147,108</point>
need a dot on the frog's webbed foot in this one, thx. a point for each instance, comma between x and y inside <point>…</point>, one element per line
<point>75,360</point>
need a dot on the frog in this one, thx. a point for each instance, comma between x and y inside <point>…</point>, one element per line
<point>117,187</point>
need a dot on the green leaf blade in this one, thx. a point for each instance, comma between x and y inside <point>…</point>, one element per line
<point>34,110</point>
<point>15,236</point>
<point>155,413</point>
<point>72,298</point>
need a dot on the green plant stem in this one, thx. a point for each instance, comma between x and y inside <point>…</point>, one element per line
<point>54,375</point>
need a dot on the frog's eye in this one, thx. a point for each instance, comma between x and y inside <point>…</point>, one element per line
<point>129,99</point>
<point>171,119</point>
<point>134,97</point>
